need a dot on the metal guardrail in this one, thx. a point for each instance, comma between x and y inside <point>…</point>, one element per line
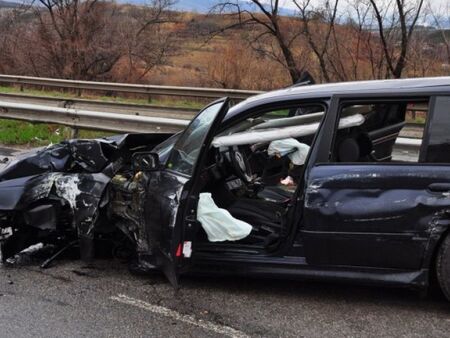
<point>121,123</point>
<point>131,121</point>
<point>104,106</point>
<point>235,94</point>
<point>77,118</point>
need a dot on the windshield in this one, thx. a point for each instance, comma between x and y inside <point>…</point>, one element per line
<point>187,149</point>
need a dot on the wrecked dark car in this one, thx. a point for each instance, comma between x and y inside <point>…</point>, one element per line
<point>311,182</point>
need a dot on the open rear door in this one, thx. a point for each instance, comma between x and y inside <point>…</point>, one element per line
<point>169,207</point>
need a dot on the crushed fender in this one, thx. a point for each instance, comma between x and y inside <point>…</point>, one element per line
<point>53,196</point>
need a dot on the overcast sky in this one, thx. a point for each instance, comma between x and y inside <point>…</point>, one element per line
<point>440,7</point>
<point>437,5</point>
<point>290,4</point>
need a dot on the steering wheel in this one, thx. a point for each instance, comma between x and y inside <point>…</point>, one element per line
<point>240,164</point>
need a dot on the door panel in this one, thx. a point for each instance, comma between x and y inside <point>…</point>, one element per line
<point>168,192</point>
<point>376,215</point>
<point>165,190</point>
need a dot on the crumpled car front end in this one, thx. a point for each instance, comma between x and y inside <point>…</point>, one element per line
<point>75,194</point>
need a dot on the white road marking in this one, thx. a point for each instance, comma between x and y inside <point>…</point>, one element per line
<point>163,311</point>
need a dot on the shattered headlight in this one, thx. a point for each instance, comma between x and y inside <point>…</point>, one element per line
<point>5,233</point>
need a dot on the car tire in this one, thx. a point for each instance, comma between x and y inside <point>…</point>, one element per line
<point>443,266</point>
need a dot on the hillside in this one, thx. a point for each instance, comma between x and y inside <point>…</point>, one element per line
<point>184,51</point>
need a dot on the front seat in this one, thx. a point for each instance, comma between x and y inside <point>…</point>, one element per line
<point>266,218</point>
<point>354,148</point>
<point>348,150</point>
<point>275,194</point>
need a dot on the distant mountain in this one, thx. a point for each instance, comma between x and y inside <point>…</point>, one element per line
<point>201,6</point>
<point>204,6</point>
<point>7,4</point>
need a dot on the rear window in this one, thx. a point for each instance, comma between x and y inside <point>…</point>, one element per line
<point>380,132</point>
<point>438,147</point>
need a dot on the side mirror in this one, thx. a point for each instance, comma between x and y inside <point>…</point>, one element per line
<point>145,161</point>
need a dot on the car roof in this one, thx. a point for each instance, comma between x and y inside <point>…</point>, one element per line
<point>325,91</point>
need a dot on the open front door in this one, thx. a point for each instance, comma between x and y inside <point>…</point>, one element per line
<point>168,204</point>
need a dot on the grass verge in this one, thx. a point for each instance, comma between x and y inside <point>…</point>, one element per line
<point>22,133</point>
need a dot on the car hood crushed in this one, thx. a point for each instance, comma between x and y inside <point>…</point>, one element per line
<point>49,194</point>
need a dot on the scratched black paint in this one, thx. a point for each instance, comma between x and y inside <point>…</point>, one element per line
<point>71,177</point>
<point>370,223</point>
<point>372,215</point>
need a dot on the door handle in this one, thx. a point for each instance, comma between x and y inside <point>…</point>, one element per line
<point>439,187</point>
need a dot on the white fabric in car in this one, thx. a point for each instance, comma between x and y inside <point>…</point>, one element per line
<point>296,151</point>
<point>218,223</point>
<point>290,121</point>
<point>272,134</point>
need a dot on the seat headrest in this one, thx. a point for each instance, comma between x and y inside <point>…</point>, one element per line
<point>348,150</point>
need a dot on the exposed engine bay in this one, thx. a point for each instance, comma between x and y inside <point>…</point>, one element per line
<point>66,195</point>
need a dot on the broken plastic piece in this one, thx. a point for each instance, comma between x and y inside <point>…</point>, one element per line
<point>218,223</point>
<point>30,255</point>
<point>48,261</point>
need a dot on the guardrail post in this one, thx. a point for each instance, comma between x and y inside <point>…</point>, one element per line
<point>74,132</point>
<point>149,99</point>
<point>79,92</point>
<point>21,87</point>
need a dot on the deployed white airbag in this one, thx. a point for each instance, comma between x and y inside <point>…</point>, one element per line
<point>218,223</point>
<point>296,151</point>
<point>272,134</point>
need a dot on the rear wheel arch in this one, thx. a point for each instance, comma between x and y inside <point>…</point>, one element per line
<point>441,263</point>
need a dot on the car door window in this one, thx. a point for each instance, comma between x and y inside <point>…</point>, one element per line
<point>187,149</point>
<point>438,147</point>
<point>363,197</point>
<point>381,132</point>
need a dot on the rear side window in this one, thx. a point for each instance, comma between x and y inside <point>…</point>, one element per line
<point>380,132</point>
<point>438,148</point>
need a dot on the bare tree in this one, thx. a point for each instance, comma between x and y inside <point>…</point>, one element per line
<point>240,67</point>
<point>439,21</point>
<point>75,39</point>
<point>87,39</point>
<point>10,33</point>
<point>267,23</point>
<point>147,37</point>
<point>396,22</point>
<point>348,59</point>
<point>425,57</point>
<point>324,20</point>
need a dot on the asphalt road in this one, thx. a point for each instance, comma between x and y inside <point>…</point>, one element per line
<point>70,300</point>
<point>106,300</point>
